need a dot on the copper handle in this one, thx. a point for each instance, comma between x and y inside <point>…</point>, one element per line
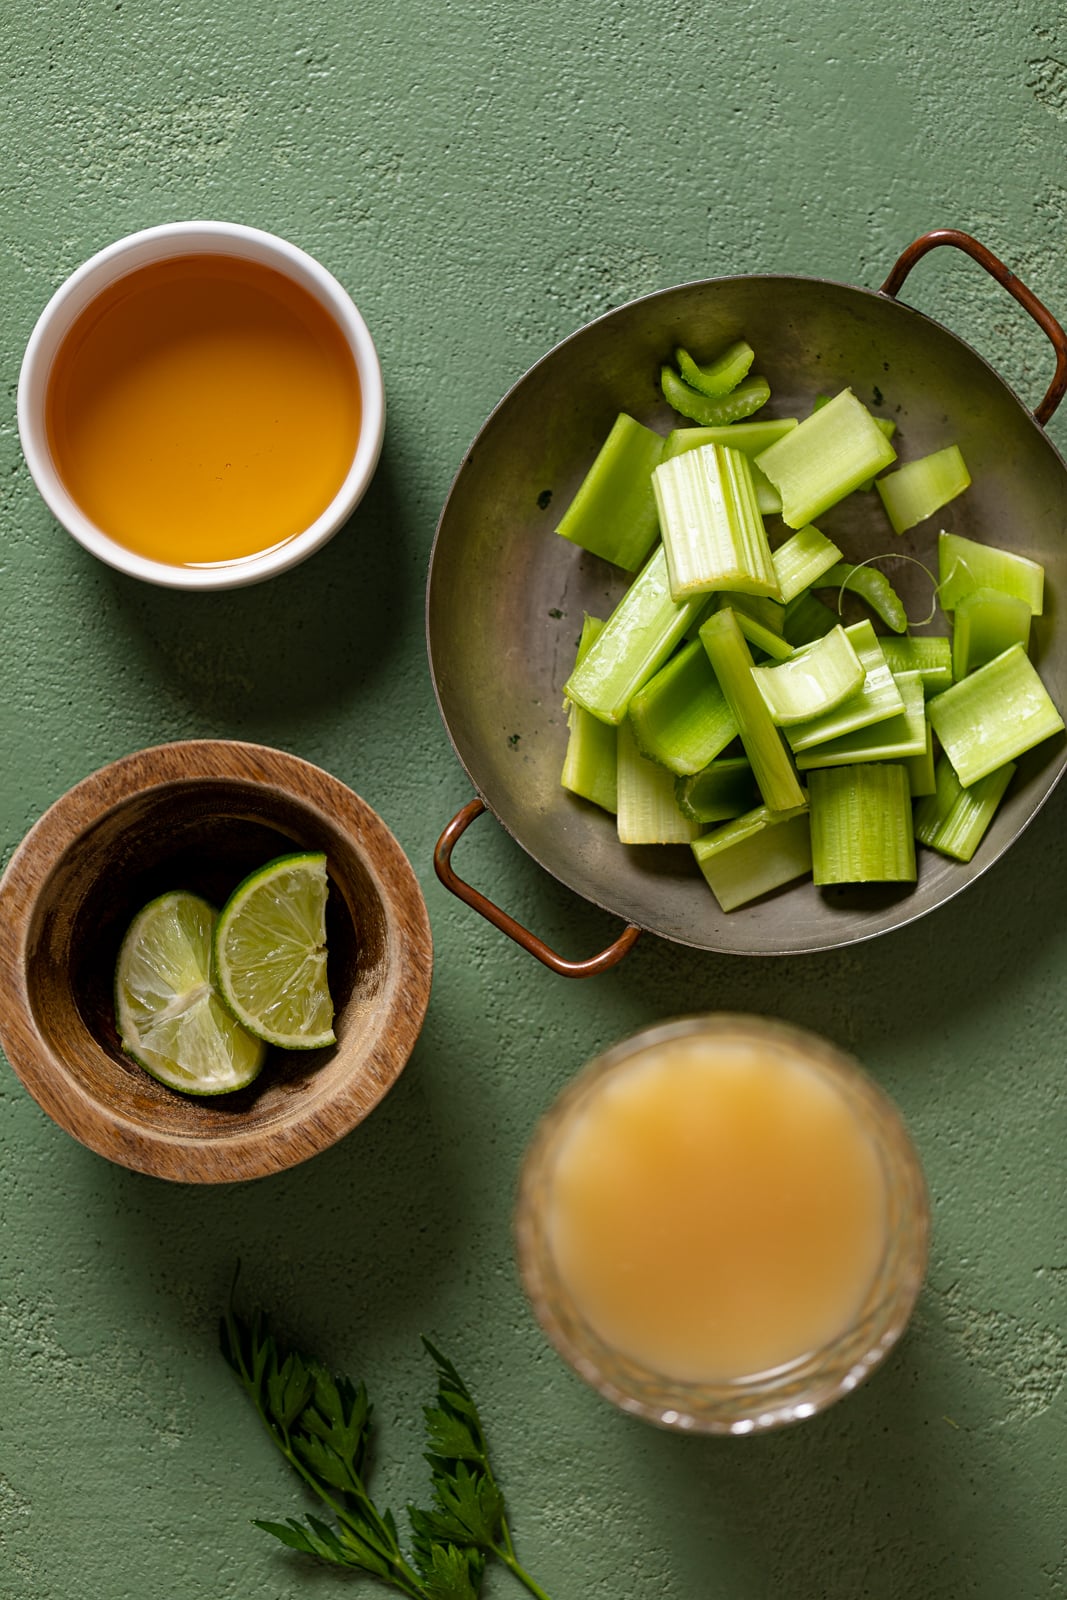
<point>1015,287</point>
<point>442,860</point>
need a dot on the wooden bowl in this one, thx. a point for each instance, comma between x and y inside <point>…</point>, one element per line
<point>199,816</point>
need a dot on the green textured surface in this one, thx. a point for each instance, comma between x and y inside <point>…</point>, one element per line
<point>484,178</point>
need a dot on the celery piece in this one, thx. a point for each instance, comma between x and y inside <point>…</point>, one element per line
<point>807,619</point>
<point>802,560</point>
<point>712,529</point>
<point>680,718</point>
<point>825,457</point>
<point>757,633</point>
<point>613,514</point>
<point>994,715</point>
<point>987,623</point>
<point>919,488</point>
<point>889,429</point>
<point>930,655</point>
<point>900,738</point>
<point>877,698</point>
<point>754,854</point>
<point>871,586</point>
<point>964,565</point>
<point>861,826</point>
<point>732,664</point>
<point>740,402</point>
<point>648,812</point>
<point>750,437</point>
<point>768,499</point>
<point>720,376</point>
<point>635,642</point>
<point>725,788</point>
<point>921,768</point>
<point>953,819</point>
<point>770,614</point>
<point>814,680</point>
<point>589,767</point>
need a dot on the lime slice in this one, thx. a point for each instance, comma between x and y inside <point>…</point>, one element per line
<point>270,953</point>
<point>169,1017</point>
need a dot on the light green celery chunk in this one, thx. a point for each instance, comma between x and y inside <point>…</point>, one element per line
<point>953,820</point>
<point>921,768</point>
<point>993,716</point>
<point>825,457</point>
<point>648,811</point>
<point>861,825</point>
<point>613,513</point>
<point>919,488</point>
<point>900,738</point>
<point>589,767</point>
<point>772,644</point>
<point>929,655</point>
<point>964,565</point>
<point>720,376</point>
<point>635,642</point>
<point>754,854</point>
<point>877,698</point>
<point>731,662</point>
<point>889,429</point>
<point>749,437</point>
<point>725,788</point>
<point>712,529</point>
<point>747,397</point>
<point>807,619</point>
<point>802,560</point>
<point>768,499</point>
<point>681,718</point>
<point>986,624</point>
<point>814,680</point>
<point>872,586</point>
<point>770,614</point>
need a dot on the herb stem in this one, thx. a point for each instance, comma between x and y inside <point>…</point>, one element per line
<point>508,1558</point>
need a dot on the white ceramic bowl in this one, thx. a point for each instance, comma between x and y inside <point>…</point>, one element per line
<point>158,244</point>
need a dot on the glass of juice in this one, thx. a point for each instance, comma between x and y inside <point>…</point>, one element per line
<point>722,1224</point>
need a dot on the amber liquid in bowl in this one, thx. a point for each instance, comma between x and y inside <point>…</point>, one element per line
<point>203,409</point>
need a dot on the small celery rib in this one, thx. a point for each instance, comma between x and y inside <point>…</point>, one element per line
<point>930,655</point>
<point>613,513</point>
<point>720,376</point>
<point>757,633</point>
<point>725,788</point>
<point>921,768</point>
<point>648,811</point>
<point>635,642</point>
<point>964,565</point>
<point>681,718</point>
<point>919,488</point>
<point>993,716</point>
<point>807,619</point>
<point>741,402</point>
<point>754,854</point>
<point>825,457</point>
<point>986,624</point>
<point>899,738</point>
<point>803,560</point>
<point>731,662</point>
<point>953,820</point>
<point>877,698</point>
<point>861,824</point>
<point>590,766</point>
<point>751,437</point>
<point>712,529</point>
<point>812,681</point>
<point>873,587</point>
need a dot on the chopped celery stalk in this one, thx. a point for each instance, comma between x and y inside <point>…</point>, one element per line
<point>861,826</point>
<point>751,437</point>
<point>802,560</point>
<point>986,624</point>
<point>680,718</point>
<point>953,819</point>
<point>613,513</point>
<point>919,488</point>
<point>964,565</point>
<point>635,642</point>
<point>994,715</point>
<point>825,457</point>
<point>812,681</point>
<point>720,376</point>
<point>928,655</point>
<point>589,767</point>
<point>712,529</point>
<point>889,429</point>
<point>726,788</point>
<point>648,812</point>
<point>732,664</point>
<point>754,854</point>
<point>772,644</point>
<point>873,587</point>
<point>769,613</point>
<point>876,699</point>
<point>807,619</point>
<point>740,402</point>
<point>900,738</point>
<point>921,768</point>
<point>768,499</point>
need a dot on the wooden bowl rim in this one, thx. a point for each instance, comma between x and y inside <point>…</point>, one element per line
<point>313,1124</point>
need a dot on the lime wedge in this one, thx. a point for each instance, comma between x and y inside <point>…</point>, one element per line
<point>270,953</point>
<point>170,1019</point>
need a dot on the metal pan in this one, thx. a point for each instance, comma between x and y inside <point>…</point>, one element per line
<point>505,596</point>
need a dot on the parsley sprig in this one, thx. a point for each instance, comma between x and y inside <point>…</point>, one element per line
<point>321,1424</point>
